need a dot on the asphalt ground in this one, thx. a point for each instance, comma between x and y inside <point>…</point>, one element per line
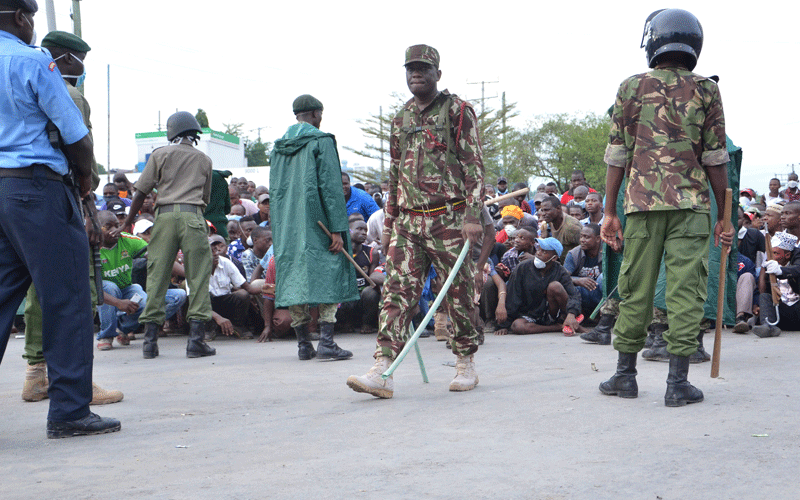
<point>253,422</point>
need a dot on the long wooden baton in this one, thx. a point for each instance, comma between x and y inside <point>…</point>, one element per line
<point>413,340</point>
<point>723,264</point>
<point>506,196</point>
<point>349,257</point>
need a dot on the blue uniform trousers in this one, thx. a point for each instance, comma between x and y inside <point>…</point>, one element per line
<point>42,238</point>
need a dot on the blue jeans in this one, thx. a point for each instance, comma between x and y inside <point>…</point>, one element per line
<point>111,318</point>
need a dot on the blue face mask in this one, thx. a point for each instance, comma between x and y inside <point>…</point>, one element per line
<point>82,77</point>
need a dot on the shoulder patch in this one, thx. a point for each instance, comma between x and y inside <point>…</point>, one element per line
<point>51,66</point>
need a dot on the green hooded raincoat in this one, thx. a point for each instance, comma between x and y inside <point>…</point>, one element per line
<point>305,187</point>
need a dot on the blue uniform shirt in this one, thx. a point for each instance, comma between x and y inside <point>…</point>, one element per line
<point>361,202</point>
<point>32,92</point>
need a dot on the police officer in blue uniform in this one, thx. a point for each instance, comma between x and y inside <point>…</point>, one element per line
<point>36,204</point>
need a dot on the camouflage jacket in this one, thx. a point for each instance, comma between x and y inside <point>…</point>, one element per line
<point>667,125</point>
<point>424,172</point>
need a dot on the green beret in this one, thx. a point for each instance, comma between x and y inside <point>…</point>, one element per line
<point>422,53</point>
<point>306,102</point>
<point>65,40</point>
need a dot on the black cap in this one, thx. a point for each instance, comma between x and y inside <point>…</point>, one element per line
<point>27,5</point>
<point>502,179</point>
<point>66,40</point>
<point>306,102</point>
<point>116,207</point>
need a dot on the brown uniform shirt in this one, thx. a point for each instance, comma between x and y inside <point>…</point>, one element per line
<point>182,174</point>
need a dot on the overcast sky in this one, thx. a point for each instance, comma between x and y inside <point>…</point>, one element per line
<point>246,61</point>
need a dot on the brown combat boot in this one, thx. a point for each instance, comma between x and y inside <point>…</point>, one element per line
<point>440,326</point>
<point>101,396</point>
<point>466,379</point>
<point>36,383</point>
<point>372,382</point>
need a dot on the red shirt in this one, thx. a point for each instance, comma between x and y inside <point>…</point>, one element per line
<point>566,197</point>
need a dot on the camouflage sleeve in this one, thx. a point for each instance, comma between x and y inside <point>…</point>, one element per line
<point>715,150</point>
<point>469,154</point>
<point>390,208</point>
<point>616,152</point>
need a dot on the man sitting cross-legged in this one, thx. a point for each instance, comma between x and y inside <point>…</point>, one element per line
<point>541,296</point>
<point>585,263</point>
<point>123,300</point>
<point>365,310</point>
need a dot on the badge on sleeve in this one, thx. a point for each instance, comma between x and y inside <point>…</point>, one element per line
<point>52,65</point>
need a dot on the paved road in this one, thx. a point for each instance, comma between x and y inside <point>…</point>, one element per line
<point>254,422</point>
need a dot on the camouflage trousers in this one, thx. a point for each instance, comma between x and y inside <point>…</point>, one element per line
<point>301,315</point>
<point>415,245</point>
<point>611,307</point>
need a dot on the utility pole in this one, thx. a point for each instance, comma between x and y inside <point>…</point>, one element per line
<point>159,120</point>
<point>76,18</point>
<point>503,146</point>
<point>51,15</point>
<point>108,82</point>
<point>259,131</point>
<point>380,121</point>
<point>483,94</point>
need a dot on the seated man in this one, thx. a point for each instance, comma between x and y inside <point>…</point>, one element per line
<point>494,289</point>
<point>277,321</point>
<point>364,311</point>
<point>576,210</point>
<point>554,222</point>
<point>745,287</point>
<point>786,268</point>
<point>511,215</point>
<point>594,207</point>
<point>230,296</point>
<point>111,193</point>
<point>541,296</point>
<point>262,216</point>
<point>238,246</point>
<point>261,239</point>
<point>123,300</point>
<point>584,263</point>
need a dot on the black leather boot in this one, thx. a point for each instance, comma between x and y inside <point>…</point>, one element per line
<point>601,334</point>
<point>305,349</point>
<point>679,391</point>
<point>766,315</point>
<point>150,344</point>
<point>657,351</point>
<point>700,356</point>
<point>623,383</point>
<point>196,347</point>
<point>327,348</point>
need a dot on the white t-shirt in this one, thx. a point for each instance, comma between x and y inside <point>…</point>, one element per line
<point>224,278</point>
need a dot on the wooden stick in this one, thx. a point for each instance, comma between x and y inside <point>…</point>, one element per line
<point>723,261</point>
<point>349,257</point>
<point>506,196</point>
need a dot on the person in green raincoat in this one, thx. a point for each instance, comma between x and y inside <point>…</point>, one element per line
<point>306,187</point>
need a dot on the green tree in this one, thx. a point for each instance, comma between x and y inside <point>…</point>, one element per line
<point>257,152</point>
<point>101,169</point>
<point>496,137</point>
<point>202,118</point>
<point>377,128</point>
<point>552,146</point>
<point>233,128</point>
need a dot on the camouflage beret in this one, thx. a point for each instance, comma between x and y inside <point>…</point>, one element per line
<point>422,53</point>
<point>306,102</point>
<point>66,40</point>
<point>26,5</point>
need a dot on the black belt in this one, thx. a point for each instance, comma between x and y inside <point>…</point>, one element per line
<point>179,207</point>
<point>30,172</point>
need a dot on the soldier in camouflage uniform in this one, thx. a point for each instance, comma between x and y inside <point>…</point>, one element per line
<point>433,208</point>
<point>668,138</point>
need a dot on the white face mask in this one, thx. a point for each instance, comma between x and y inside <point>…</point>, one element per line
<point>250,241</point>
<point>510,230</point>
<point>541,264</point>
<point>792,184</point>
<point>82,77</point>
<point>744,200</point>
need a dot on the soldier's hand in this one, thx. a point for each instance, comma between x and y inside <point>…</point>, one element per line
<point>611,232</point>
<point>472,232</point>
<point>85,186</point>
<point>722,237</point>
<point>336,244</point>
<point>95,237</point>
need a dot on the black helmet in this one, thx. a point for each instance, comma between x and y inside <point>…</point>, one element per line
<point>672,30</point>
<point>180,123</point>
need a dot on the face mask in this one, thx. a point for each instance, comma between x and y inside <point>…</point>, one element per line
<point>792,184</point>
<point>744,201</point>
<point>250,241</point>
<point>581,204</point>
<point>742,232</point>
<point>109,198</point>
<point>541,264</point>
<point>81,78</point>
<point>510,230</point>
